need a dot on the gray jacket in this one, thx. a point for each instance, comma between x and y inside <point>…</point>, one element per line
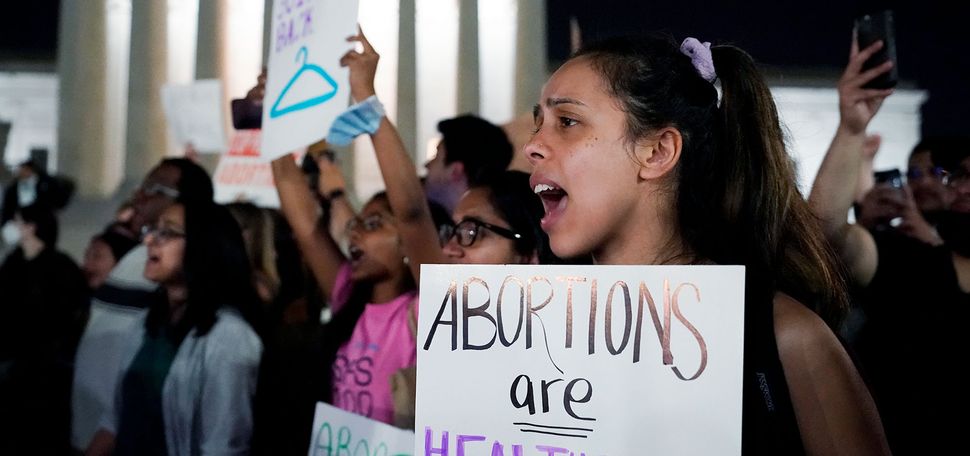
<point>208,393</point>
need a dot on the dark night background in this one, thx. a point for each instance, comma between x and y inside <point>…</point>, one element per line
<point>793,39</point>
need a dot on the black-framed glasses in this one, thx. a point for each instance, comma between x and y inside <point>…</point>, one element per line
<point>160,234</point>
<point>369,223</point>
<point>467,231</point>
<point>155,189</point>
<point>918,173</point>
<point>958,177</point>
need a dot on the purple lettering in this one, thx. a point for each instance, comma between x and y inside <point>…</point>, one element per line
<point>429,449</point>
<point>307,22</point>
<point>462,438</point>
<point>552,451</point>
<point>499,450</point>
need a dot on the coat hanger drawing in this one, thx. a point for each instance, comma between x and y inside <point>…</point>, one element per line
<point>276,111</point>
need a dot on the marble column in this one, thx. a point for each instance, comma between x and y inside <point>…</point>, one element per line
<point>468,66</point>
<point>82,99</point>
<point>530,54</point>
<point>407,98</point>
<point>267,29</point>
<point>147,139</point>
<point>212,59</point>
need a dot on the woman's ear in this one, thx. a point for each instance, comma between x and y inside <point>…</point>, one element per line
<point>660,154</point>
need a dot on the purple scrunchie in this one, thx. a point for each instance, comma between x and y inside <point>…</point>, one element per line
<point>700,56</point>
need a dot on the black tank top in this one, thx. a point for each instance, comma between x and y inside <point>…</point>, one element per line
<point>768,425</point>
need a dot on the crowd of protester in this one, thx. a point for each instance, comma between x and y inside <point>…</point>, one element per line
<point>198,328</point>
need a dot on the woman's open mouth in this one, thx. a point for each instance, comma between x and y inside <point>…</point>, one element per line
<point>554,200</point>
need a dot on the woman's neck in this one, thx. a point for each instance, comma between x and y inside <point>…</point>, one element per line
<point>651,237</point>
<point>388,289</point>
<point>177,297</point>
<point>32,247</point>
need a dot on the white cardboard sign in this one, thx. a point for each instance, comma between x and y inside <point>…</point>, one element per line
<point>306,89</point>
<point>196,114</point>
<point>337,432</point>
<point>580,360</point>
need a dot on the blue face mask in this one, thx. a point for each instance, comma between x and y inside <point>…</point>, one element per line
<point>11,233</point>
<point>363,117</point>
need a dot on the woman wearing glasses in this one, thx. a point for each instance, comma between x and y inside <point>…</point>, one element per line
<point>372,295</point>
<point>192,366</point>
<point>497,223</point>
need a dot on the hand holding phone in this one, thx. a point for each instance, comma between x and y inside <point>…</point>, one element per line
<point>890,197</point>
<point>869,29</point>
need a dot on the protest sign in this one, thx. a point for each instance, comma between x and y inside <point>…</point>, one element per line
<point>580,360</point>
<point>337,432</point>
<point>196,114</point>
<point>306,89</point>
<point>244,174</point>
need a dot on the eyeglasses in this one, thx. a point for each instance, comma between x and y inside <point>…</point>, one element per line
<point>958,177</point>
<point>936,171</point>
<point>160,234</point>
<point>372,222</point>
<point>467,231</point>
<point>155,189</point>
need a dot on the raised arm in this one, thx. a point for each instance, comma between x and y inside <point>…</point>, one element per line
<point>835,184</point>
<point>300,208</point>
<point>404,192</point>
<point>332,186</point>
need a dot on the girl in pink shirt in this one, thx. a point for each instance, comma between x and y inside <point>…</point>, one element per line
<point>372,296</point>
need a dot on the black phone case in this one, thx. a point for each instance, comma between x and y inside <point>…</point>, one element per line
<point>246,115</point>
<point>869,29</point>
<point>892,177</point>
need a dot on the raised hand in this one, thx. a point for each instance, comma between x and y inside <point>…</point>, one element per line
<point>363,67</point>
<point>858,105</point>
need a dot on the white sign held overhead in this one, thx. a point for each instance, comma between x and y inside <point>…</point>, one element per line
<point>196,114</point>
<point>580,360</point>
<point>337,432</point>
<point>306,89</point>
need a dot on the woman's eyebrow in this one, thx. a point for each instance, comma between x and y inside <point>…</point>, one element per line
<point>565,100</point>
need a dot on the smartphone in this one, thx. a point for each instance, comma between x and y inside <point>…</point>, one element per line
<point>892,177</point>
<point>247,114</point>
<point>875,27</point>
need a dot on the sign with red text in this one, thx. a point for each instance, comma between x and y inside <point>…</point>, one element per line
<point>306,89</point>
<point>338,432</point>
<point>579,360</point>
<point>244,174</point>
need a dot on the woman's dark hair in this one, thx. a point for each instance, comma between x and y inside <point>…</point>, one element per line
<point>44,221</point>
<point>736,196</point>
<point>216,268</point>
<point>194,183</point>
<point>512,197</point>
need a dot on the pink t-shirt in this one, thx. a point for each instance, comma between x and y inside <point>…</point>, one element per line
<point>381,344</point>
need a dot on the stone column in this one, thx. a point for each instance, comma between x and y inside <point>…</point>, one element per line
<point>267,29</point>
<point>530,54</point>
<point>212,59</point>
<point>82,99</point>
<point>407,92</point>
<point>468,73</point>
<point>210,55</point>
<point>147,136</point>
